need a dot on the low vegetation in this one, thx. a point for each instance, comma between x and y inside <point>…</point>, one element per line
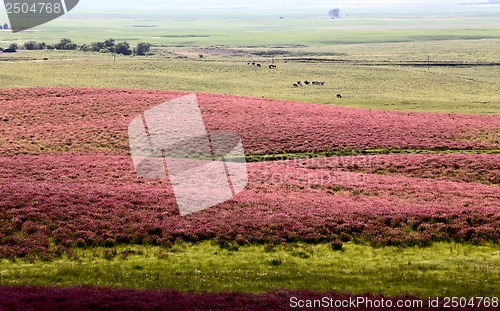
<point>107,46</point>
<point>444,269</point>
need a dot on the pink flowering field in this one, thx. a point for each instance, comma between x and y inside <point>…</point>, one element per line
<point>66,178</point>
<point>55,120</point>
<point>84,298</point>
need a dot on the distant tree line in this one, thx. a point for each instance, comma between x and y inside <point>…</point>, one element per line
<point>107,46</point>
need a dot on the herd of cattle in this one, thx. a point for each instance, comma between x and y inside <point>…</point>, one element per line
<point>321,83</point>
<point>272,66</point>
<point>299,83</point>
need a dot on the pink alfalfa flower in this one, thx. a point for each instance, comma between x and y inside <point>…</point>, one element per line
<point>37,122</point>
<point>106,203</point>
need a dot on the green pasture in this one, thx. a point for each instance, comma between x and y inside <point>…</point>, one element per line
<point>443,269</point>
<point>468,89</point>
<point>236,33</point>
<point>375,58</point>
<point>310,27</point>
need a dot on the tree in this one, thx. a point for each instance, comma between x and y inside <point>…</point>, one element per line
<point>85,48</point>
<point>109,42</point>
<point>334,13</point>
<point>123,48</point>
<point>97,46</point>
<point>142,48</point>
<point>66,44</point>
<point>33,45</point>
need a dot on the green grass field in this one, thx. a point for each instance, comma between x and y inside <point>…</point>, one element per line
<point>263,28</point>
<point>376,61</point>
<point>441,89</point>
<point>444,269</point>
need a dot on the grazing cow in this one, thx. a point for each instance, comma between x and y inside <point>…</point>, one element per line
<point>322,83</point>
<point>295,85</point>
<point>253,63</point>
<point>339,96</point>
<point>259,65</point>
<point>299,83</point>
<point>45,58</point>
<point>272,66</point>
<point>315,83</point>
<point>307,82</point>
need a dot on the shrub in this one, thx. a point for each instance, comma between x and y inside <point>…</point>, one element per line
<point>123,48</point>
<point>336,245</point>
<point>66,44</point>
<point>142,49</point>
<point>33,45</point>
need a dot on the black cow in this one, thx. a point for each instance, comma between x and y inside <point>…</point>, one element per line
<point>339,96</point>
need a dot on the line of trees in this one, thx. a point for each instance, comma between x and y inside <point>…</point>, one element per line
<point>107,46</point>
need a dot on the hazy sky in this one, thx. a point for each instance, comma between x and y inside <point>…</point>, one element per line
<point>172,5</point>
<point>253,4</point>
<point>168,5</point>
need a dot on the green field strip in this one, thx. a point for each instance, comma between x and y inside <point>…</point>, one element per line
<point>357,152</point>
<point>398,87</point>
<point>443,269</point>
